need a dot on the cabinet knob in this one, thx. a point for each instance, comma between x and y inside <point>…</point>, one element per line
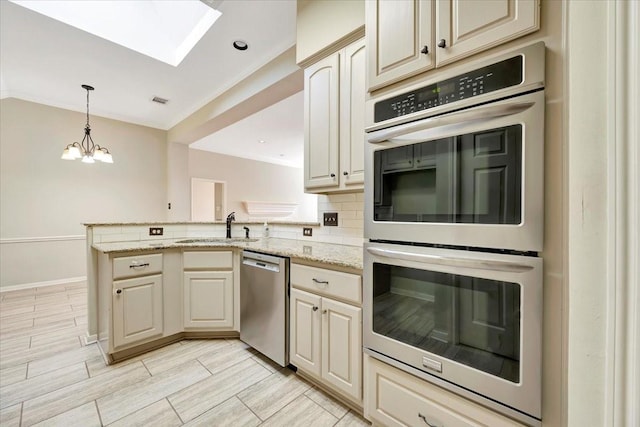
<point>345,173</point>
<point>315,308</point>
<point>425,50</point>
<point>442,43</point>
<point>324,311</point>
<point>118,291</point>
<point>333,175</point>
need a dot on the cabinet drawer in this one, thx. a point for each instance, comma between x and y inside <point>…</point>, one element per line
<point>331,283</point>
<point>140,265</point>
<point>208,259</point>
<point>396,398</point>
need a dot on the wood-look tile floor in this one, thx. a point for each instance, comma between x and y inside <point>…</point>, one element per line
<point>49,377</point>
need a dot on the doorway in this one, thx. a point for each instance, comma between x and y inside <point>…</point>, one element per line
<point>208,199</point>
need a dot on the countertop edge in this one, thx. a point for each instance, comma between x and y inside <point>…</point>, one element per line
<point>345,256</point>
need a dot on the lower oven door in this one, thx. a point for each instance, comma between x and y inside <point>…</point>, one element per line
<point>472,319</point>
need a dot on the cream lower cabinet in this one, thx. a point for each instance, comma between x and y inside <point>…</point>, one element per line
<point>208,299</point>
<point>326,334</point>
<point>208,290</point>
<point>137,309</point>
<point>394,398</point>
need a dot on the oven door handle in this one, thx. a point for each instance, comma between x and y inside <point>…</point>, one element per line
<point>456,118</point>
<point>507,266</point>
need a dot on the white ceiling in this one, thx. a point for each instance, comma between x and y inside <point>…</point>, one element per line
<point>45,61</point>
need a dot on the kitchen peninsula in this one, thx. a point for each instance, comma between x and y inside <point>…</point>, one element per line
<point>157,268</point>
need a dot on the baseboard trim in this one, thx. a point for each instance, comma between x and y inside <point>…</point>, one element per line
<point>90,339</point>
<point>42,284</point>
<point>41,239</point>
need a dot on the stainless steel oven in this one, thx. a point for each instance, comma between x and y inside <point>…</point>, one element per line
<point>470,321</point>
<point>459,161</point>
<point>454,209</point>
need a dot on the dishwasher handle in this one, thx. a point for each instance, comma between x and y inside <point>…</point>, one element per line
<point>261,264</point>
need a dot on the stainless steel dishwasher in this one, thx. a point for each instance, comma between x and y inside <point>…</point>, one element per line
<point>264,305</point>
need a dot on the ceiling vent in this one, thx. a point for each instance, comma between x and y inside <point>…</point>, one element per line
<point>160,100</point>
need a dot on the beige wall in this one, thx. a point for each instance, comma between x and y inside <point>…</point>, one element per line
<point>254,181</point>
<point>319,24</point>
<point>45,200</point>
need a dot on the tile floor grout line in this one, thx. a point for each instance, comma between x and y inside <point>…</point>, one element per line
<point>95,403</point>
<point>174,410</point>
<point>246,406</point>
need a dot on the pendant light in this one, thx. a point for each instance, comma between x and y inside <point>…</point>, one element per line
<point>87,150</point>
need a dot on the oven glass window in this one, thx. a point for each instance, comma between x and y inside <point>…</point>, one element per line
<point>470,320</point>
<point>471,178</point>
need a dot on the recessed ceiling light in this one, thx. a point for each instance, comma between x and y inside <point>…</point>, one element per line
<point>262,141</point>
<point>240,45</point>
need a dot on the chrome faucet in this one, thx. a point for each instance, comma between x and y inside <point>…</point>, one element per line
<point>230,217</point>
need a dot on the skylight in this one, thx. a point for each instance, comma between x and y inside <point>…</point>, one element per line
<point>166,30</point>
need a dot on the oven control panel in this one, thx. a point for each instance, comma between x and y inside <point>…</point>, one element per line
<point>483,80</point>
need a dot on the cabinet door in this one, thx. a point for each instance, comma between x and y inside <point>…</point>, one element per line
<point>352,96</point>
<point>342,346</point>
<point>304,329</point>
<point>321,128</point>
<point>397,33</point>
<point>468,27</point>
<point>208,299</point>
<point>137,309</point>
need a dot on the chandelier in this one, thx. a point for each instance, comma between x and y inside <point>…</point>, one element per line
<point>87,150</point>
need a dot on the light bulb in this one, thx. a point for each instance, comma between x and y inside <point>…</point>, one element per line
<point>98,154</point>
<point>88,159</point>
<point>74,151</point>
<point>106,157</point>
<point>66,154</point>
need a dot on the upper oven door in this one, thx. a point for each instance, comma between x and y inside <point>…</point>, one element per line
<point>467,178</point>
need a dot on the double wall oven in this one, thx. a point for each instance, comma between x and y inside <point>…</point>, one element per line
<point>454,196</point>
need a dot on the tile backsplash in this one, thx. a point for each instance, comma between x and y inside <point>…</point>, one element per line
<point>349,231</point>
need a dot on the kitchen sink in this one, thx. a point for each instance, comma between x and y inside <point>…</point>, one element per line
<point>218,240</point>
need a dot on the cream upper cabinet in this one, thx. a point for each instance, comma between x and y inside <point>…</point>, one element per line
<point>334,94</point>
<point>137,310</point>
<point>466,27</point>
<point>406,37</point>
<point>400,39</point>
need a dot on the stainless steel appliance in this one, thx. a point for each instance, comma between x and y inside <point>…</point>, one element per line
<point>459,161</point>
<point>264,305</point>
<point>454,217</point>
<point>469,321</point>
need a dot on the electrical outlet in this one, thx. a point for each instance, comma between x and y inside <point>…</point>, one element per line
<point>156,231</point>
<point>307,250</point>
<point>307,231</point>
<point>331,219</point>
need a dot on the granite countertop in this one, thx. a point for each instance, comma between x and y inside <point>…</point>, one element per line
<point>252,221</point>
<point>328,253</point>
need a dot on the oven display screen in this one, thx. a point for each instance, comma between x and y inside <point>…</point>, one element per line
<point>483,80</point>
